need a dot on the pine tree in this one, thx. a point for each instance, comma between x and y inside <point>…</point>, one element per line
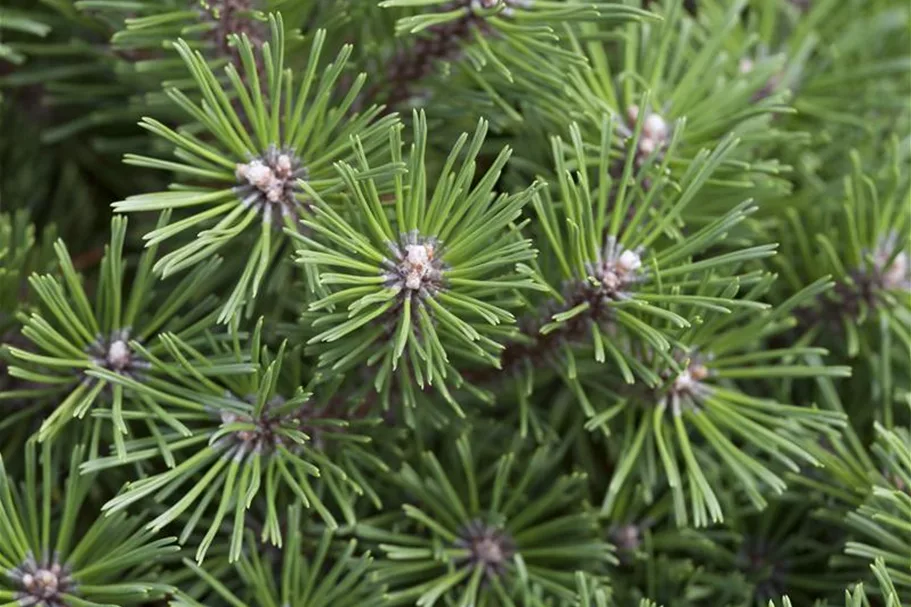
<point>493,303</point>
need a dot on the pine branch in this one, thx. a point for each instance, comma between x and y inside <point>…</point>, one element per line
<point>344,577</point>
<point>413,63</point>
<point>469,536</point>
<point>242,415</point>
<point>505,34</point>
<point>268,148</point>
<point>881,525</point>
<point>423,285</point>
<point>624,341</point>
<point>62,555</point>
<point>232,19</point>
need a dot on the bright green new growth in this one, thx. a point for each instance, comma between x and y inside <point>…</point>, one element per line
<point>75,342</point>
<point>252,429</point>
<point>271,135</point>
<point>423,281</point>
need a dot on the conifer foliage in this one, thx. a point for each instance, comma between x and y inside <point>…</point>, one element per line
<point>455,303</point>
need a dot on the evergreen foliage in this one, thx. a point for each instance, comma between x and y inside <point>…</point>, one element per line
<point>462,303</point>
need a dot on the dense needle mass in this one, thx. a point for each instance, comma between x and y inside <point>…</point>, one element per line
<point>455,303</point>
